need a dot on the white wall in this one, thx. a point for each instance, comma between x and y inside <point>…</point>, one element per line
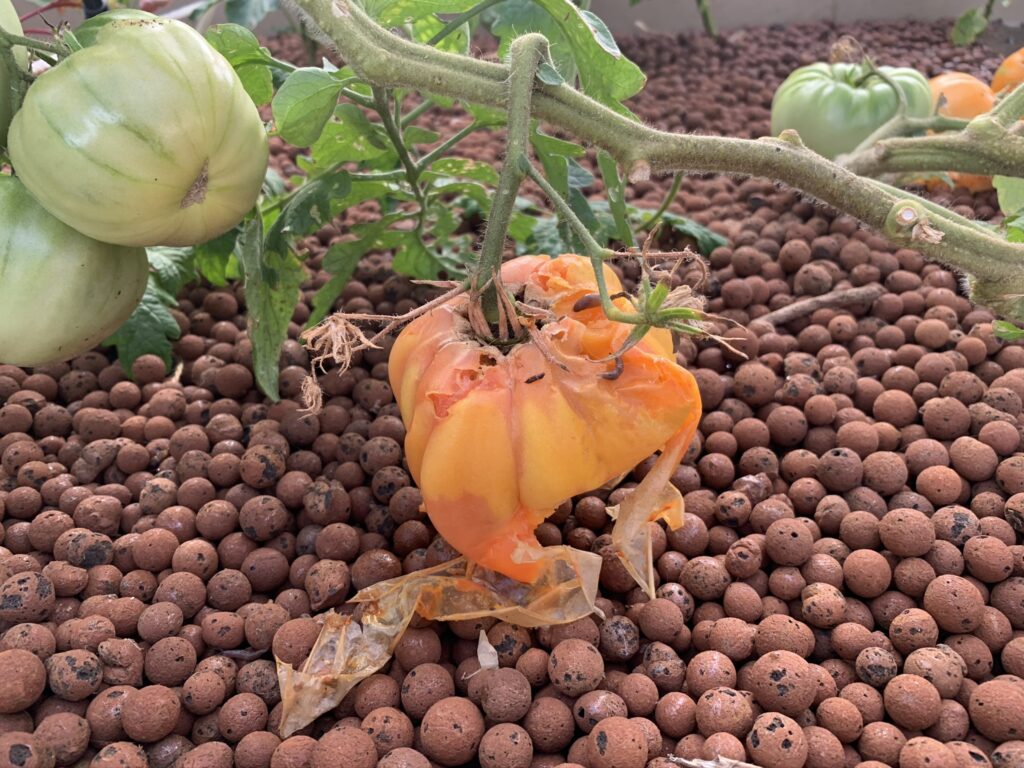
<point>677,15</point>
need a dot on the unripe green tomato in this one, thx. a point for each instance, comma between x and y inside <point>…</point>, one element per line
<point>61,293</point>
<point>834,107</point>
<point>144,137</point>
<point>9,21</point>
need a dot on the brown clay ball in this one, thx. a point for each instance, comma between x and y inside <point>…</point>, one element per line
<point>776,741</point>
<point>781,681</point>
<point>451,731</point>
<point>22,680</point>
<point>912,702</point>
<point>575,667</point>
<point>617,743</point>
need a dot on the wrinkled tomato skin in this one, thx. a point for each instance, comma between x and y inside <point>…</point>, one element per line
<point>498,438</point>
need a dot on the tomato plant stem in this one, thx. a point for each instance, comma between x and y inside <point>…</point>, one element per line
<point>525,56</point>
<point>670,196</point>
<point>49,7</point>
<point>419,109</point>
<point>388,61</point>
<point>984,145</point>
<point>6,38</point>
<point>706,18</point>
<point>446,145</point>
<point>461,19</point>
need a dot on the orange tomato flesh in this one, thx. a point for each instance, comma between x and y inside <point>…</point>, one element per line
<point>497,439</point>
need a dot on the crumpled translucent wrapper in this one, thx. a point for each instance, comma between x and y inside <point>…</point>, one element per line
<point>348,651</point>
<point>496,440</point>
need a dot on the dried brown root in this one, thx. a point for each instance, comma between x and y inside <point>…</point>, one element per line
<point>718,762</point>
<point>339,337</point>
<point>864,294</point>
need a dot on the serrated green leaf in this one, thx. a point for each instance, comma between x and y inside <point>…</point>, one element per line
<point>397,12</point>
<point>212,257</point>
<point>615,191</point>
<point>416,135</point>
<point>149,330</point>
<point>173,268</point>
<point>581,46</point>
<point>705,239</point>
<point>465,168</point>
<point>1007,331</point>
<point>250,60</point>
<point>486,117</point>
<point>273,184</point>
<point>579,177</point>
<point>547,73</point>
<point>968,27</point>
<point>550,145</point>
<point>350,137</point>
<point>443,222</point>
<point>314,205</point>
<point>414,259</point>
<point>272,282</point>
<point>546,238</point>
<point>1011,194</point>
<point>456,41</point>
<point>471,189</point>
<point>248,13</point>
<point>304,104</point>
<point>342,262</point>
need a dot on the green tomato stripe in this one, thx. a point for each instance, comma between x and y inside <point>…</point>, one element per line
<point>56,125</point>
<point>169,60</point>
<point>150,141</point>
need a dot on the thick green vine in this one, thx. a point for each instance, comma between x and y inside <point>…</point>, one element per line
<point>387,60</point>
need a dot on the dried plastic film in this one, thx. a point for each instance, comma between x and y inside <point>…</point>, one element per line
<point>655,498</point>
<point>348,651</point>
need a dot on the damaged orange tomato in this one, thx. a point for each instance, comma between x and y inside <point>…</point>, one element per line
<point>496,439</point>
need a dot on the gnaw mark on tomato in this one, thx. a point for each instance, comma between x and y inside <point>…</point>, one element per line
<point>197,192</point>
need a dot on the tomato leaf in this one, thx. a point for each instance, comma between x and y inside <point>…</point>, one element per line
<point>414,259</point>
<point>350,136</point>
<point>968,27</point>
<point>1007,331</point>
<point>340,260</point>
<point>456,41</point>
<point>149,330</point>
<point>705,239</point>
<point>213,257</point>
<point>250,60</point>
<point>396,12</point>
<point>174,268</point>
<point>151,327</point>
<point>416,135</point>
<point>272,282</point>
<point>1011,194</point>
<point>581,46</point>
<point>313,206</point>
<point>465,168</point>
<point>1014,229</point>
<point>615,190</point>
<point>248,13</point>
<point>304,104</point>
